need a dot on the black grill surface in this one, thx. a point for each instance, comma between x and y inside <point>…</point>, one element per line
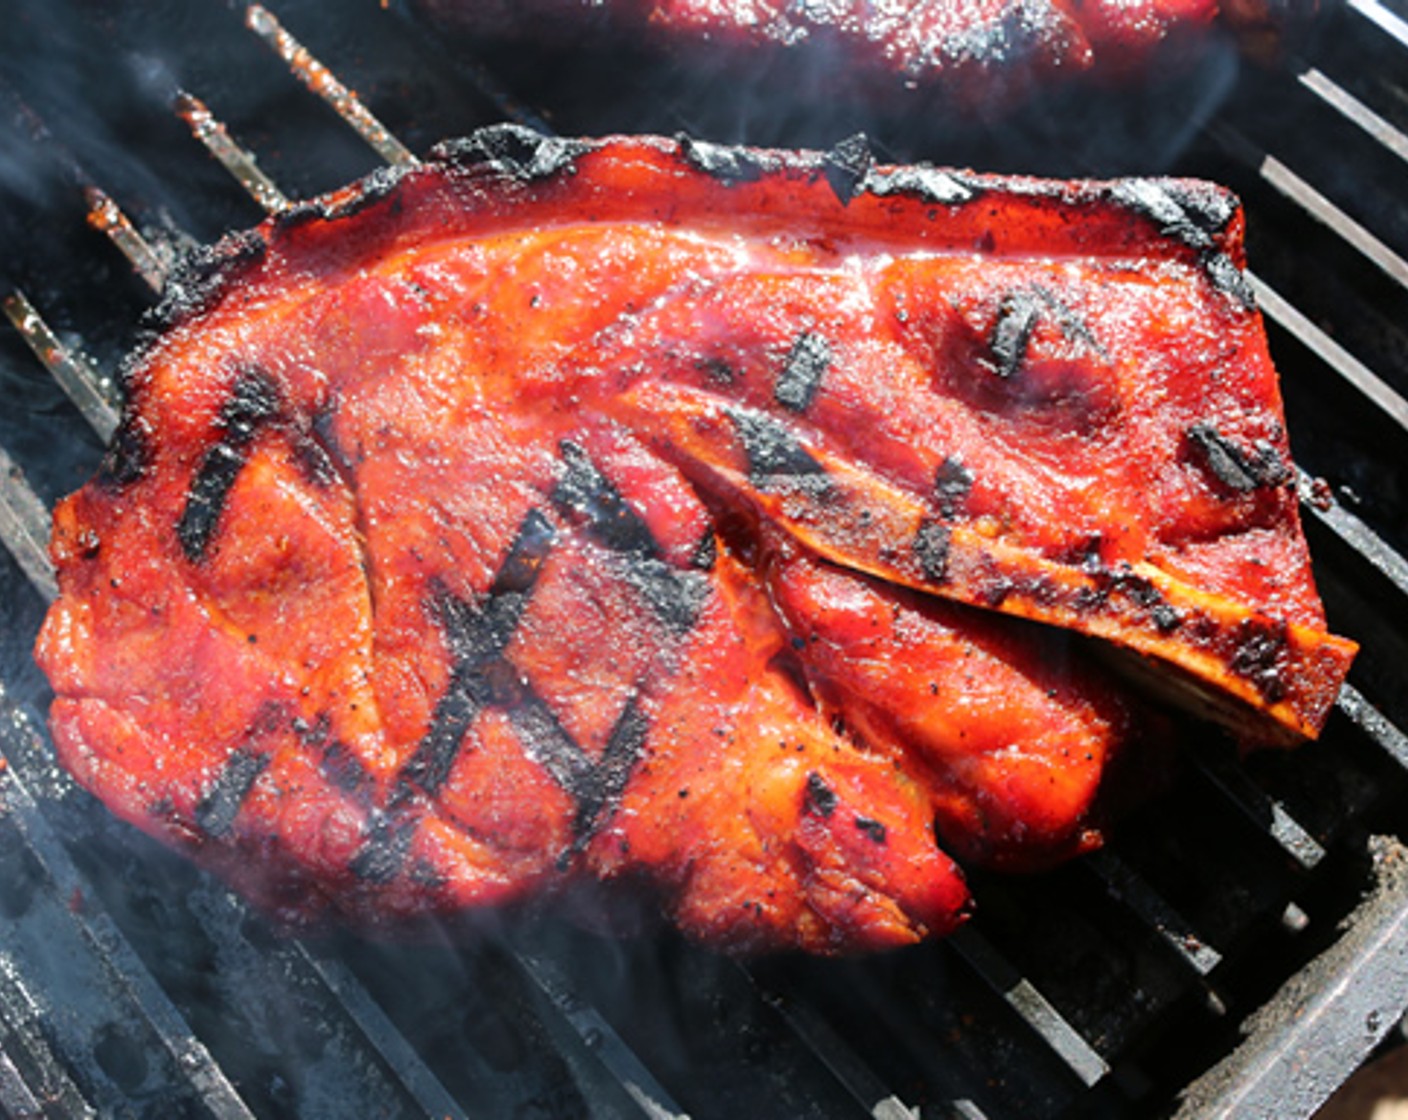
<point>1238,950</point>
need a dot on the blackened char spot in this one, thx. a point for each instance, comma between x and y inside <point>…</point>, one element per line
<point>585,493</point>
<point>128,456</point>
<point>515,151</point>
<point>477,639</point>
<point>216,812</point>
<point>821,798</point>
<point>952,482</point>
<point>205,501</point>
<point>729,165</point>
<point>924,182</point>
<point>253,401</point>
<point>383,853</point>
<point>773,450</point>
<point>1012,332</point>
<point>313,462</point>
<point>597,803</point>
<point>1261,647</point>
<point>706,553</point>
<point>1234,467</point>
<point>366,192</point>
<point>1191,213</point>
<point>1226,277</point>
<point>200,279</point>
<point>336,761</point>
<point>544,739</point>
<point>524,561</point>
<point>802,370</point>
<point>437,751</point>
<point>931,545</point>
<point>846,166</point>
<point>872,828</point>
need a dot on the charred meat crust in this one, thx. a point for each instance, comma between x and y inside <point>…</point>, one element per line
<point>1180,214</point>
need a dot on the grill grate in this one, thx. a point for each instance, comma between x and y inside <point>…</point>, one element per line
<point>130,984</point>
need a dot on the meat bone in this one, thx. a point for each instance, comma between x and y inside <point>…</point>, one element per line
<point>1267,680</point>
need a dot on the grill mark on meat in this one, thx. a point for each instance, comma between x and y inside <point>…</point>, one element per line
<point>253,401</point>
<point>847,165</point>
<point>477,639</point>
<point>1228,278</point>
<point>1233,466</point>
<point>378,185</point>
<point>216,812</point>
<point>336,762</point>
<point>1180,209</point>
<point>875,830</point>
<point>802,370</point>
<point>1012,333</point>
<point>595,786</point>
<point>608,778</point>
<point>585,494</point>
<point>544,739</point>
<point>952,484</point>
<point>931,544</point>
<point>1072,324</point>
<point>773,451</point>
<point>383,853</point>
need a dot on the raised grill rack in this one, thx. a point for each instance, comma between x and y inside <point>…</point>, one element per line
<point>1272,893</point>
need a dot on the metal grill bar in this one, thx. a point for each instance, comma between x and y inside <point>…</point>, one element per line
<point>24,527</point>
<point>1340,360</point>
<point>1343,1004</point>
<point>239,162</point>
<point>598,1036</point>
<point>318,78</point>
<point>1126,885</point>
<point>116,973</point>
<point>1297,190</point>
<point>104,214</point>
<point>1363,540</point>
<point>860,1081</point>
<point>1022,997</point>
<point>74,374</point>
<point>1374,724</point>
<point>1268,814</point>
<point>1355,111</point>
<point>22,1040</point>
<point>1382,18</point>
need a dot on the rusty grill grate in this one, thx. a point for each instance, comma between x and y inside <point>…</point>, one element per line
<point>1238,950</point>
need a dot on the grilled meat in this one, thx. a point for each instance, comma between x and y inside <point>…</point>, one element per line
<point>981,52</point>
<point>738,524</point>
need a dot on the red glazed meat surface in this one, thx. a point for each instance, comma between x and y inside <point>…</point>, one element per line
<point>981,53</point>
<point>735,526</point>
